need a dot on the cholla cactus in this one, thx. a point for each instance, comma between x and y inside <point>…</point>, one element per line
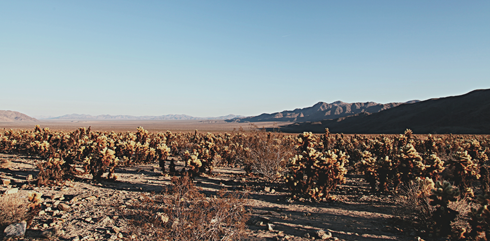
<point>433,166</point>
<point>312,174</point>
<point>463,171</point>
<point>442,195</point>
<point>367,166</point>
<point>51,172</point>
<point>194,164</point>
<point>480,218</point>
<point>385,171</point>
<point>410,164</point>
<point>163,153</point>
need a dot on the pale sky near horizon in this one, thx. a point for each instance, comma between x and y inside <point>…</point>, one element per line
<point>213,58</point>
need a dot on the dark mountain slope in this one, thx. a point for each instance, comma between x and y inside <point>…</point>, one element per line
<point>469,113</point>
<point>320,111</point>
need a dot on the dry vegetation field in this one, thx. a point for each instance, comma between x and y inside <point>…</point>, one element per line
<point>115,181</point>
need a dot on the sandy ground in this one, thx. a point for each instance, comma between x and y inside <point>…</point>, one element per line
<point>93,215</point>
<point>153,126</point>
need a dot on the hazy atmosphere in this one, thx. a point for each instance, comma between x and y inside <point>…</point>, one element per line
<point>213,58</point>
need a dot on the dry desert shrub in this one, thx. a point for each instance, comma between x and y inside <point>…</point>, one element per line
<point>415,204</point>
<point>15,208</point>
<point>267,154</point>
<point>183,213</point>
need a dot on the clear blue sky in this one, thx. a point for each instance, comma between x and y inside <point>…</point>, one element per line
<point>212,58</point>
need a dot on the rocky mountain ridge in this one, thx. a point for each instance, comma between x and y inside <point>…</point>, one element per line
<point>463,114</point>
<point>321,111</point>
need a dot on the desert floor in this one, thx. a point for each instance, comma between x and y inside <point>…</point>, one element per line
<point>354,215</point>
<point>152,126</point>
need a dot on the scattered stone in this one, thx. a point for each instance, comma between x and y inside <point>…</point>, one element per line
<point>163,217</point>
<point>74,200</point>
<point>12,191</point>
<point>116,229</point>
<point>51,233</point>
<point>88,220</point>
<point>16,230</point>
<point>64,207</point>
<point>267,189</point>
<point>270,227</point>
<point>273,191</point>
<point>106,220</point>
<point>323,235</point>
<point>120,235</point>
<point>6,182</point>
<point>91,198</point>
<point>29,177</point>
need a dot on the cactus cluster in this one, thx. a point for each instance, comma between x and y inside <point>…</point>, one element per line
<point>312,173</point>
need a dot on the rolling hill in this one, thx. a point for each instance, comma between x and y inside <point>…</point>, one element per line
<point>14,116</point>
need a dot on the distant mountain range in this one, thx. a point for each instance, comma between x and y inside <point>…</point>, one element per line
<point>11,116</point>
<point>321,111</point>
<point>130,117</point>
<point>465,114</point>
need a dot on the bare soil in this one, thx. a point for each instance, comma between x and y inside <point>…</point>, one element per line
<point>130,125</point>
<point>93,207</point>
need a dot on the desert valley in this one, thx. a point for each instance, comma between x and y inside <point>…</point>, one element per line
<point>338,171</point>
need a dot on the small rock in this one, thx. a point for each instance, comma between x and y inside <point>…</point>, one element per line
<point>91,198</point>
<point>120,235</point>
<point>29,177</point>
<point>116,229</point>
<point>323,235</point>
<point>74,200</point>
<point>163,217</point>
<point>267,189</point>
<point>6,182</point>
<point>64,207</point>
<point>270,227</point>
<point>16,230</point>
<point>12,191</point>
<point>106,220</point>
<point>273,191</point>
<point>76,238</point>
<point>50,233</point>
<point>88,220</point>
